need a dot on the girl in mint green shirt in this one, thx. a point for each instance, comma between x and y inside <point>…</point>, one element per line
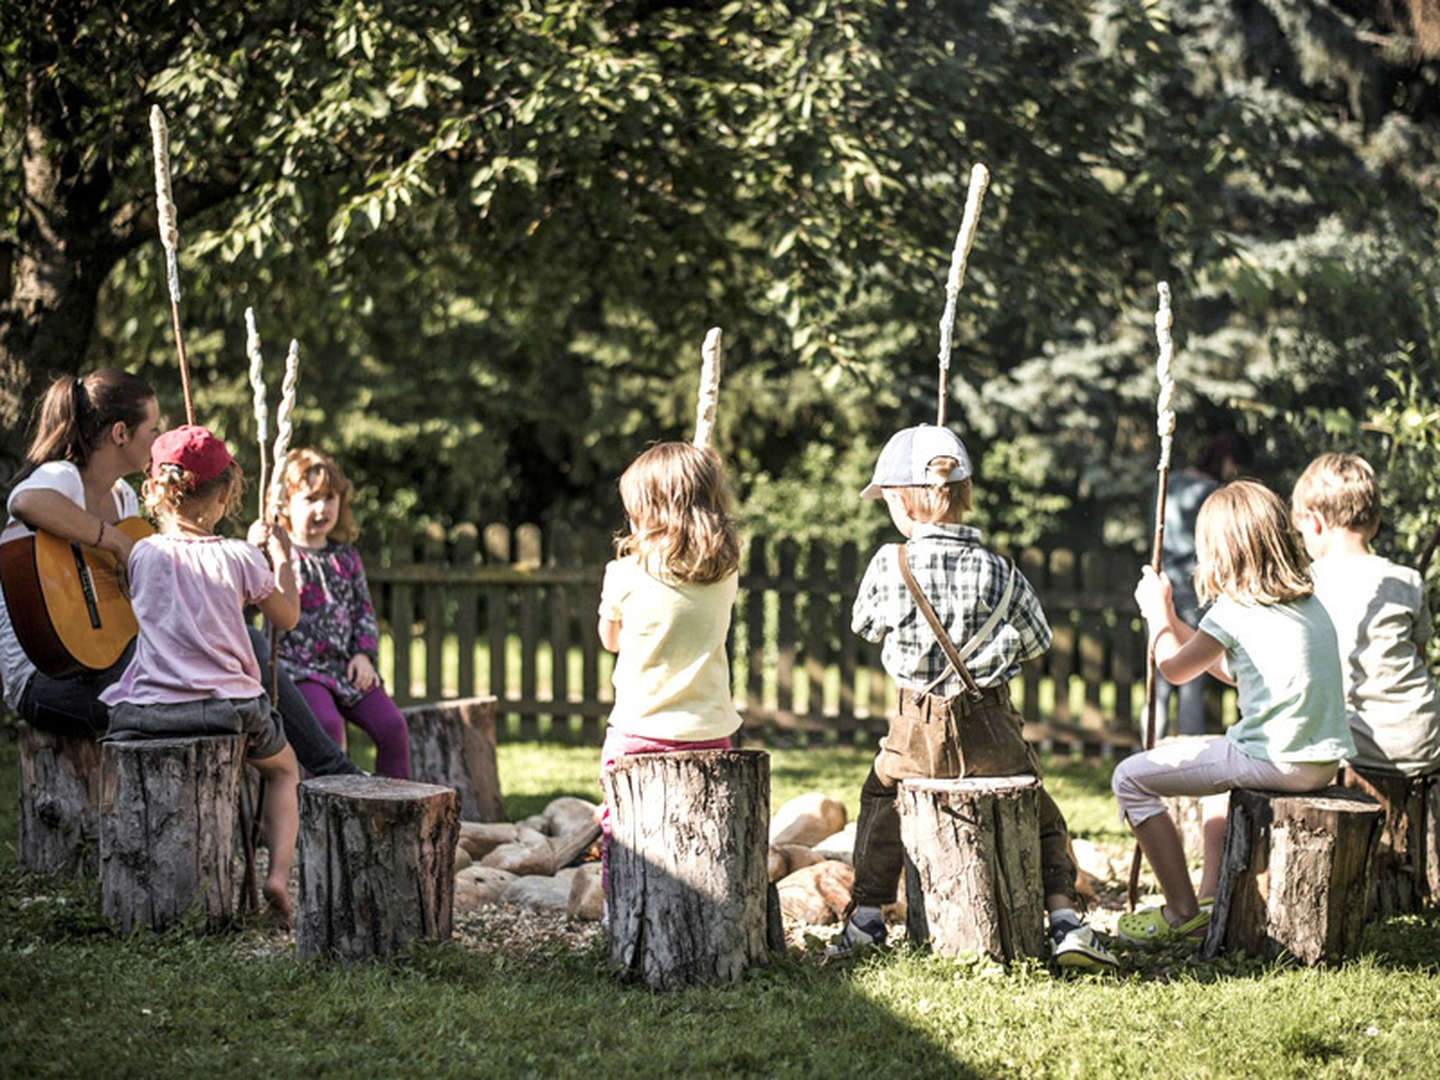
<point>1269,637</point>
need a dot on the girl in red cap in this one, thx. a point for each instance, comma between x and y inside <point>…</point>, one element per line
<point>194,670</point>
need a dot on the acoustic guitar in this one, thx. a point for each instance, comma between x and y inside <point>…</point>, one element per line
<point>68,602</point>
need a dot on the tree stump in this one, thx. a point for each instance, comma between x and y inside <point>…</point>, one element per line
<point>377,865</point>
<point>972,865</point>
<point>1295,875</point>
<point>687,886</point>
<point>59,803</point>
<point>1407,861</point>
<point>1188,812</point>
<point>452,743</point>
<point>167,829</point>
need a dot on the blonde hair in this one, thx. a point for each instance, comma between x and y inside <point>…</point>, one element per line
<point>941,499</point>
<point>1342,490</point>
<point>315,473</point>
<point>678,503</point>
<point>169,489</point>
<point>1247,549</point>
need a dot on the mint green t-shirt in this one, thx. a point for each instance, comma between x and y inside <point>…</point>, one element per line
<point>1286,664</point>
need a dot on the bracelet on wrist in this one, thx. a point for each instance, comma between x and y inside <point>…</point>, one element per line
<point>100,536</point>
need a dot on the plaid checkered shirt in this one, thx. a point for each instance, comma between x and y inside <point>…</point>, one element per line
<point>964,583</point>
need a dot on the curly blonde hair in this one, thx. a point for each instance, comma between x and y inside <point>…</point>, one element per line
<point>678,503</point>
<point>309,470</point>
<point>1247,549</point>
<point>169,490</point>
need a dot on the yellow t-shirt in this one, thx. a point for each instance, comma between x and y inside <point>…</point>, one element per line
<point>672,679</point>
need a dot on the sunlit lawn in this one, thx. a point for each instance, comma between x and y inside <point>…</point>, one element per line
<point>80,1002</point>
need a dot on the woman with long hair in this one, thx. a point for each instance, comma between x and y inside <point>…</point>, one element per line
<point>91,433</point>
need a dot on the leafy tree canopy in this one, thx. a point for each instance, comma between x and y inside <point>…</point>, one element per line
<point>500,231</point>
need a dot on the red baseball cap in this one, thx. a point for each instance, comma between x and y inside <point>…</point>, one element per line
<point>194,449</point>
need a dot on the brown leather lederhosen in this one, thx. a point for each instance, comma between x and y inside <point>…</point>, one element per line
<point>974,733</point>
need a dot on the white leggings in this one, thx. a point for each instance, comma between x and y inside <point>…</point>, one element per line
<point>1205,765</point>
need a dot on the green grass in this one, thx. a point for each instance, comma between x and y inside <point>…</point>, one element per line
<point>80,1002</point>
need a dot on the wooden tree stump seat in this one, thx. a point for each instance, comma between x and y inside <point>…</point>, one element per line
<point>452,743</point>
<point>1407,861</point>
<point>377,865</point>
<point>688,893</point>
<point>167,830</point>
<point>1189,815</point>
<point>1295,874</point>
<point>59,803</point>
<point>972,865</point>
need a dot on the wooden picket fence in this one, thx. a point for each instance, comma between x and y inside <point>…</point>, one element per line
<point>489,610</point>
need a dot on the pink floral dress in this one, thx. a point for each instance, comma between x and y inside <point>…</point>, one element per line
<point>337,620</point>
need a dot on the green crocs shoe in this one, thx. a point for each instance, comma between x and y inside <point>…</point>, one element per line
<point>1149,926</point>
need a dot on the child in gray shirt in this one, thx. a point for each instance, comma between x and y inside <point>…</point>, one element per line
<point>1381,618</point>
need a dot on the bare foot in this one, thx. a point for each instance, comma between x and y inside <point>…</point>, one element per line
<point>277,895</point>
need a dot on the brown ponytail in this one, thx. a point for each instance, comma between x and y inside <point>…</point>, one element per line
<point>75,413</point>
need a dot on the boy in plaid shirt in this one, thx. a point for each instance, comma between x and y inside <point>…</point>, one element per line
<point>948,723</point>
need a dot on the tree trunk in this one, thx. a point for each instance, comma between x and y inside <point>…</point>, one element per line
<point>687,885</point>
<point>59,803</point>
<point>972,865</point>
<point>377,865</point>
<point>1295,875</point>
<point>1407,863</point>
<point>52,273</point>
<point>452,743</point>
<point>167,829</point>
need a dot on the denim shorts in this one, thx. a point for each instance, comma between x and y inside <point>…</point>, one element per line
<point>251,717</point>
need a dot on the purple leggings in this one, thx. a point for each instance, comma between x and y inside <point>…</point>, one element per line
<point>375,714</point>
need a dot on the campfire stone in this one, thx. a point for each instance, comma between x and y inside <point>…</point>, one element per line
<point>568,814</point>
<point>817,894</point>
<point>529,855</point>
<point>840,845</point>
<point>587,898</point>
<point>480,838</point>
<point>807,819</point>
<point>785,860</point>
<point>462,858</point>
<point>537,891</point>
<point>483,884</point>
<point>536,822</point>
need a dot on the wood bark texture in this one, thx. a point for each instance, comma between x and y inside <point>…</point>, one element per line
<point>1295,874</point>
<point>377,865</point>
<point>1188,811</point>
<point>167,830</point>
<point>1407,861</point>
<point>688,891</point>
<point>972,865</point>
<point>452,743</point>
<point>59,803</point>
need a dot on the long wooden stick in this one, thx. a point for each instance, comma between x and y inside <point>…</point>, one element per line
<point>170,241</point>
<point>262,409</point>
<point>271,507</point>
<point>712,362</point>
<point>959,259</point>
<point>1165,427</point>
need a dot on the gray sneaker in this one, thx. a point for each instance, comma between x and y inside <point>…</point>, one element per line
<point>1080,947</point>
<point>855,937</point>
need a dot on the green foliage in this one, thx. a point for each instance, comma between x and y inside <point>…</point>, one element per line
<point>237,1004</point>
<point>499,234</point>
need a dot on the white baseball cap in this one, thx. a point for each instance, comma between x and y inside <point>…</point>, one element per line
<point>906,459</point>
